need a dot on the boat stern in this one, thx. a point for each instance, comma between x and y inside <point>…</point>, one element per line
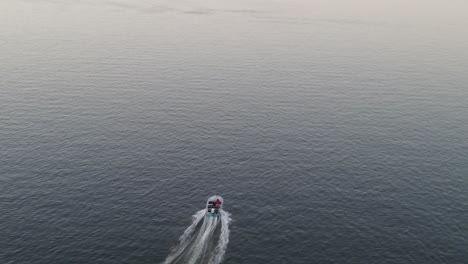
<point>214,205</point>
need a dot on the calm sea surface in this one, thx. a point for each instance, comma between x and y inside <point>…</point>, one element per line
<point>336,131</point>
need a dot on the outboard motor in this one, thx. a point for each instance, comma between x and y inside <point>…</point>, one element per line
<point>213,205</point>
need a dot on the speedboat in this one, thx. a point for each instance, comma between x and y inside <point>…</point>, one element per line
<point>214,205</point>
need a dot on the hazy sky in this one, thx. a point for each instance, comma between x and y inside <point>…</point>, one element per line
<point>442,24</point>
<point>428,10</point>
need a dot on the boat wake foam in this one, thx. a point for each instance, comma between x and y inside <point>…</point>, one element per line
<point>204,241</point>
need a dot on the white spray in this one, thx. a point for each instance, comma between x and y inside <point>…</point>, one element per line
<point>202,244</point>
<point>223,241</point>
<point>186,238</point>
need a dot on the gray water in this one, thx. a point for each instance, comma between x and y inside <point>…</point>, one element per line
<point>336,131</point>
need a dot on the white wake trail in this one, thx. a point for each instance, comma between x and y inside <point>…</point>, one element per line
<point>204,238</point>
<point>202,243</point>
<point>186,238</point>
<point>220,249</point>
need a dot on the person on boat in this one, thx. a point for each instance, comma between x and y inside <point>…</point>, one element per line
<point>217,203</point>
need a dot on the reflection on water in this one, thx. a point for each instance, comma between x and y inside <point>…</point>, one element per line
<point>337,130</point>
